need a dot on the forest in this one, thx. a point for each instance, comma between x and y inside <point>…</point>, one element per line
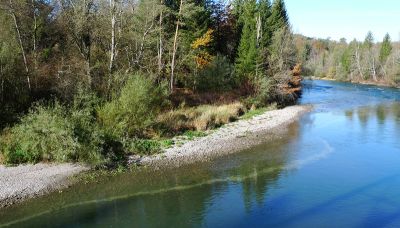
<point>367,61</point>
<point>94,80</point>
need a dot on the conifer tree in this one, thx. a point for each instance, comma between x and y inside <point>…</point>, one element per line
<point>247,53</point>
<point>264,10</point>
<point>386,48</point>
<point>264,36</point>
<point>279,17</point>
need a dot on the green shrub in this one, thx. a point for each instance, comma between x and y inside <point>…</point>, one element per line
<point>143,146</point>
<point>265,93</point>
<point>194,134</point>
<point>134,110</point>
<point>92,139</point>
<point>44,134</point>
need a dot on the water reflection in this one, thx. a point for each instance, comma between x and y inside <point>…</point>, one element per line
<point>382,113</point>
<point>178,197</point>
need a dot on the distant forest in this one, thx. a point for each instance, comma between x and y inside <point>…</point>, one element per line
<point>358,61</point>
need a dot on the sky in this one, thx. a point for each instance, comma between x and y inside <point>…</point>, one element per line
<point>345,18</point>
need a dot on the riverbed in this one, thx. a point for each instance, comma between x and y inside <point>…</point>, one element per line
<point>337,166</point>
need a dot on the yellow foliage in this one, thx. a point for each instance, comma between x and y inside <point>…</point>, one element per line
<point>203,59</point>
<point>203,41</point>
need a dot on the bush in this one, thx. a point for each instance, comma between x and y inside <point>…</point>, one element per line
<point>133,111</point>
<point>54,133</point>
<point>143,146</point>
<point>265,93</point>
<point>92,139</point>
<point>44,134</point>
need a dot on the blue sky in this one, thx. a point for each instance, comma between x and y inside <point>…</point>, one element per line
<point>345,18</point>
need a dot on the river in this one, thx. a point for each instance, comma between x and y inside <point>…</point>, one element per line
<point>338,166</point>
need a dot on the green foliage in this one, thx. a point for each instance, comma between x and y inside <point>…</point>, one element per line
<point>89,135</point>
<point>369,40</point>
<point>143,146</point>
<point>194,134</point>
<point>265,93</point>
<point>386,48</point>
<point>282,51</point>
<point>279,18</point>
<point>247,52</point>
<point>44,134</point>
<point>133,111</point>
<point>217,76</point>
<point>346,60</point>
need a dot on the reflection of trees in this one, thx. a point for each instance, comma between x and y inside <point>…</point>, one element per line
<point>381,113</point>
<point>264,168</point>
<point>363,115</point>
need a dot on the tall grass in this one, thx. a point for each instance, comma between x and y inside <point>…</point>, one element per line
<point>199,118</point>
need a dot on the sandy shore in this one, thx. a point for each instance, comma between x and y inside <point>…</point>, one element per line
<point>231,138</point>
<point>27,181</point>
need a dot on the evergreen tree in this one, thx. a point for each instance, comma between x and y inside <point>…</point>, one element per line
<point>247,53</point>
<point>264,10</point>
<point>369,40</point>
<point>279,17</point>
<point>386,48</point>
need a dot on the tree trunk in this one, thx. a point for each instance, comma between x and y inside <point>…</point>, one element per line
<point>258,25</point>
<point>160,48</point>
<point>374,69</point>
<point>175,47</point>
<point>358,61</point>
<point>113,43</point>
<point>21,45</point>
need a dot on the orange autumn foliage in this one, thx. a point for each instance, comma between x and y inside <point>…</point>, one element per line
<point>202,58</point>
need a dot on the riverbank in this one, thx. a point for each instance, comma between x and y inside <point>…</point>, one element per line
<point>231,138</point>
<point>362,82</point>
<point>28,181</point>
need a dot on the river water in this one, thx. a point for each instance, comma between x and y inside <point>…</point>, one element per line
<point>338,166</point>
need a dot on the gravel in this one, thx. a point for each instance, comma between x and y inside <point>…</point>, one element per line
<point>231,138</point>
<point>28,181</point>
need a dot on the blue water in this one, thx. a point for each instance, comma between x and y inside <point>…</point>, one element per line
<point>338,166</point>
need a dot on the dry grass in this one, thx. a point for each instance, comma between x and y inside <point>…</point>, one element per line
<point>200,118</point>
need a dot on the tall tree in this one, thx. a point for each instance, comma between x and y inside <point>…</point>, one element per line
<point>175,46</point>
<point>247,52</point>
<point>279,17</point>
<point>370,57</point>
<point>386,48</point>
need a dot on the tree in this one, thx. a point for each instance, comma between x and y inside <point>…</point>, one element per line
<point>247,52</point>
<point>279,17</point>
<point>79,15</point>
<point>282,49</point>
<point>370,57</point>
<point>386,48</point>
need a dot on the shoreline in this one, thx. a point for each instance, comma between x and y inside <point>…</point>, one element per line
<point>233,137</point>
<point>24,182</point>
<point>371,83</point>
